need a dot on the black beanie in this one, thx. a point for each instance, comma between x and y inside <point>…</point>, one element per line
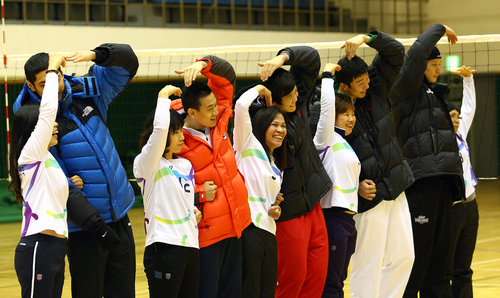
<point>435,54</point>
<point>451,107</point>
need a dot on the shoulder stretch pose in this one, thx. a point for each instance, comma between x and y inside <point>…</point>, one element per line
<point>171,257</point>
<point>383,256</point>
<point>220,188</point>
<point>301,231</point>
<point>260,148</point>
<point>465,212</point>
<point>40,184</point>
<point>429,144</point>
<point>336,121</point>
<point>98,266</point>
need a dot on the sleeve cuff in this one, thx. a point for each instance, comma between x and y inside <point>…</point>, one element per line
<point>469,79</point>
<point>51,73</point>
<point>209,66</point>
<point>202,196</point>
<point>326,75</point>
<point>100,56</point>
<point>372,37</point>
<point>286,54</point>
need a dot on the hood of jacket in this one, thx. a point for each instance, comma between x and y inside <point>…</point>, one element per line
<point>27,96</point>
<point>73,88</point>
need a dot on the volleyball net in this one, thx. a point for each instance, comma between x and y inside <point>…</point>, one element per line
<point>127,114</point>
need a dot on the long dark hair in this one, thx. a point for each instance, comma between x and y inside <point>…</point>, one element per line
<point>23,124</point>
<point>260,123</point>
<point>176,123</point>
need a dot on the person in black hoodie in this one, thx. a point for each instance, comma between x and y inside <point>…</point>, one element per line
<point>381,264</point>
<point>428,140</point>
<point>301,230</point>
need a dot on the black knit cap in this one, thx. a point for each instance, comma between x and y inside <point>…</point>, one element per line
<point>451,107</point>
<point>435,54</point>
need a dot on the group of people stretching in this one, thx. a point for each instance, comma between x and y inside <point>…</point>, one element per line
<point>369,173</point>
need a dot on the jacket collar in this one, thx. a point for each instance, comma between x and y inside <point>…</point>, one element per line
<point>441,90</point>
<point>26,96</point>
<point>336,88</point>
<point>340,131</point>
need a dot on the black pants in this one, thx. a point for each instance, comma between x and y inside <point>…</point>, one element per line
<point>39,263</point>
<point>430,202</point>
<point>96,273</point>
<point>260,262</point>
<point>220,269</point>
<point>342,243</point>
<point>463,243</point>
<point>172,270</point>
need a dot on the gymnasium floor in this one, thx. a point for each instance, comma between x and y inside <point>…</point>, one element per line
<point>486,263</point>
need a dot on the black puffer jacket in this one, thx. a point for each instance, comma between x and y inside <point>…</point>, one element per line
<point>373,137</point>
<point>424,127</point>
<point>305,180</point>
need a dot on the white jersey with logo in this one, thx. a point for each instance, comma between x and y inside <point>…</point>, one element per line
<point>467,112</point>
<point>339,159</point>
<point>44,185</point>
<point>262,177</point>
<point>167,187</point>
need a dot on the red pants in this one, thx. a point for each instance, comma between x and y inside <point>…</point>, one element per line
<point>302,255</point>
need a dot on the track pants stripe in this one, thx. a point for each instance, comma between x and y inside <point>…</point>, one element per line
<point>33,274</point>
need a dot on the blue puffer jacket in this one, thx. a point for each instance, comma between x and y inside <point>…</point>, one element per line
<point>85,145</point>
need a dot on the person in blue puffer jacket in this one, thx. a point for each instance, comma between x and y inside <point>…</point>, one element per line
<point>86,149</point>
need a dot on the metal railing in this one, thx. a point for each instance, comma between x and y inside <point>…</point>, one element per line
<point>393,16</point>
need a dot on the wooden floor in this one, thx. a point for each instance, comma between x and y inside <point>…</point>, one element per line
<point>486,263</point>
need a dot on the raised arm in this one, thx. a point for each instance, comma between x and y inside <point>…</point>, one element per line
<point>326,126</point>
<point>352,44</point>
<point>389,58</point>
<point>115,66</point>
<point>305,65</point>
<point>153,151</point>
<point>410,79</point>
<point>242,122</point>
<point>387,63</point>
<point>468,108</point>
<point>220,74</point>
<point>38,143</point>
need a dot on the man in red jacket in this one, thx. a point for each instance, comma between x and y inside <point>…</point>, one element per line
<point>220,188</point>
